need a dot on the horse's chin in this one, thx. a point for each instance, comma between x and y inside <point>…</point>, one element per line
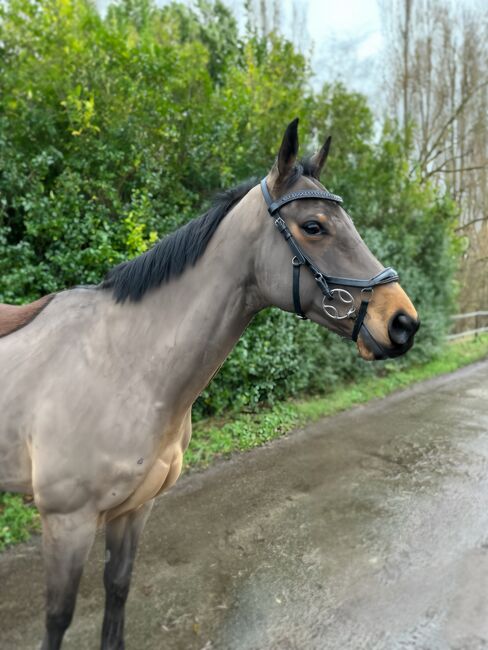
<point>364,352</point>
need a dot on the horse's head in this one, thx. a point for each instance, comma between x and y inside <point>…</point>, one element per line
<point>315,263</point>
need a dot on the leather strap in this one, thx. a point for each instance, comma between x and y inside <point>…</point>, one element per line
<point>375,347</point>
<point>302,194</point>
<point>295,248</point>
<point>384,277</point>
<point>360,317</point>
<point>296,289</point>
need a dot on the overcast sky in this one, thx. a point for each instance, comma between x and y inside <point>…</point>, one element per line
<point>345,37</point>
<point>347,41</point>
<point>346,20</point>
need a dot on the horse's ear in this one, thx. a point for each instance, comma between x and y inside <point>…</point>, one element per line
<point>288,151</point>
<point>318,160</point>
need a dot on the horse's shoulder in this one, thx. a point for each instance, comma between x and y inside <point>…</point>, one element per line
<point>14,317</point>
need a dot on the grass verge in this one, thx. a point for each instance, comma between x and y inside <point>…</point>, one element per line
<point>214,438</point>
<point>220,437</point>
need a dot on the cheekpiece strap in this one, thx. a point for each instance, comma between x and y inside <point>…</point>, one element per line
<point>297,305</point>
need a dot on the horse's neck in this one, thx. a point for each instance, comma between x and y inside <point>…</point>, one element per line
<point>185,329</point>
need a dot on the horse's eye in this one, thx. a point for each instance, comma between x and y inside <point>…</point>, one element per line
<point>313,228</point>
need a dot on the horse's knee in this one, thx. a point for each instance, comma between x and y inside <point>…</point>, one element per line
<point>116,590</point>
<point>59,621</point>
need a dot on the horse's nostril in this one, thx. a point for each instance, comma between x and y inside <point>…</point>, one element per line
<point>402,328</point>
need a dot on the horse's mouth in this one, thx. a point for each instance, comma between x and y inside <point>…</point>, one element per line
<point>371,350</point>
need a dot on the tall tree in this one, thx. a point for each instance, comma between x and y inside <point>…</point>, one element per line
<point>437,82</point>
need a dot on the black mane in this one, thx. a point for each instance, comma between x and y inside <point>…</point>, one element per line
<point>173,254</point>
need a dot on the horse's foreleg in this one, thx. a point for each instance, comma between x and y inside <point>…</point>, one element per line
<point>67,540</point>
<point>122,537</point>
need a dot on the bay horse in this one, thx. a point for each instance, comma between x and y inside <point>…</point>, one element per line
<point>97,383</point>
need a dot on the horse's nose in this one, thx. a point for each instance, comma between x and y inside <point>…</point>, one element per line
<point>402,328</point>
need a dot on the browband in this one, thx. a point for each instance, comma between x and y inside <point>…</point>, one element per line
<point>274,206</point>
<point>303,194</point>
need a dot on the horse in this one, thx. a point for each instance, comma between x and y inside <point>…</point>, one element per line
<point>98,382</point>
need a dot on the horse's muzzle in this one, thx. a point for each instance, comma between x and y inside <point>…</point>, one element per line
<point>401,331</point>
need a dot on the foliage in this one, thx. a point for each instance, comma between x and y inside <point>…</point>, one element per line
<point>213,437</point>
<point>115,130</point>
<point>17,520</point>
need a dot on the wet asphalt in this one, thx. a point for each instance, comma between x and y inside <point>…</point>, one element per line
<point>367,530</point>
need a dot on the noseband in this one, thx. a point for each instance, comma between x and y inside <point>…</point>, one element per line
<point>341,295</point>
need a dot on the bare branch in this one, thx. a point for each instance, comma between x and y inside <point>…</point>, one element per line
<point>442,168</point>
<point>461,106</point>
<point>470,223</point>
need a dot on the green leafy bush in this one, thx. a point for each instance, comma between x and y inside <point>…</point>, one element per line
<point>115,131</point>
<point>17,520</point>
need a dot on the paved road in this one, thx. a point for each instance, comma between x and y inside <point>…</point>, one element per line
<point>365,531</point>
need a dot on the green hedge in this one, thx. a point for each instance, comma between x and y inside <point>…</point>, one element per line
<point>116,130</point>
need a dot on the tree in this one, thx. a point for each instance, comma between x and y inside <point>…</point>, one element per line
<point>438,90</point>
<point>438,82</point>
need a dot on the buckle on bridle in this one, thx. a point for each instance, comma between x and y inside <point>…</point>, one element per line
<point>365,291</point>
<point>324,287</point>
<point>280,224</point>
